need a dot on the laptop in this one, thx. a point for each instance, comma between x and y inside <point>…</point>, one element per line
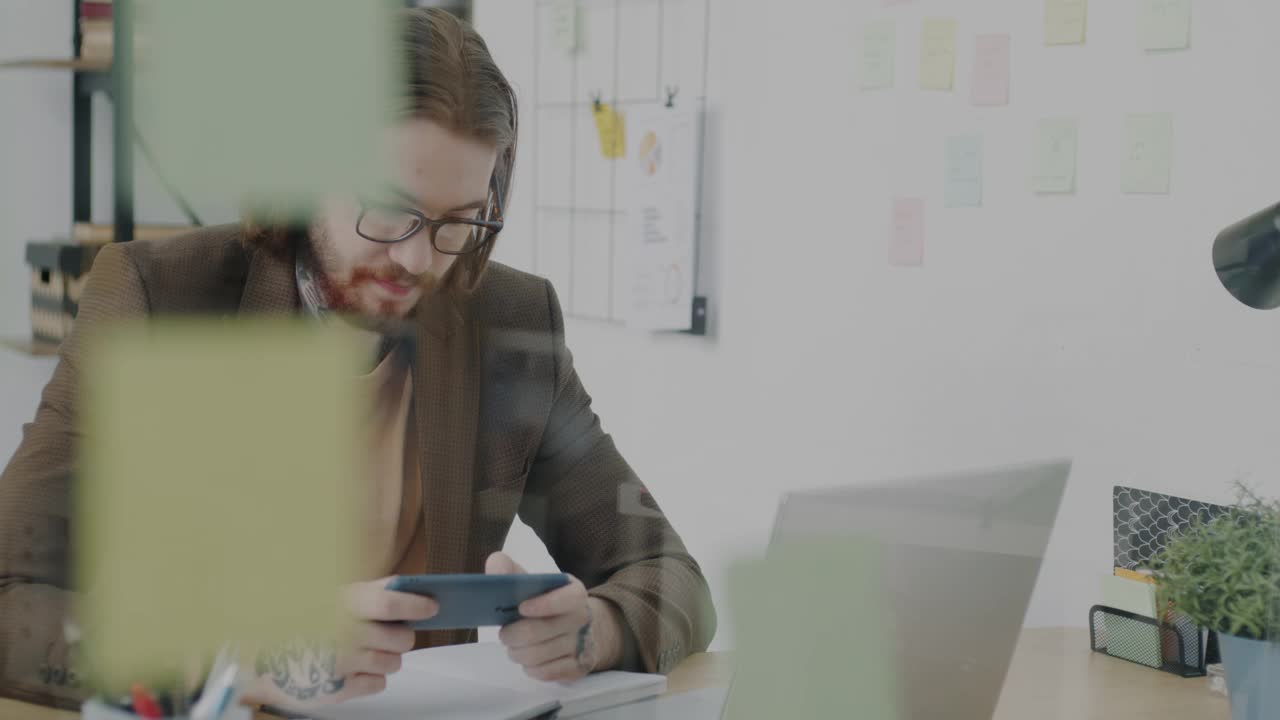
<point>959,557</point>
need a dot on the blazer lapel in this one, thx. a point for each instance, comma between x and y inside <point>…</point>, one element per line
<point>446,401</point>
<point>271,286</point>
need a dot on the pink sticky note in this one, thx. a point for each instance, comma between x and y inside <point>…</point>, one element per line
<point>991,70</point>
<point>906,247</point>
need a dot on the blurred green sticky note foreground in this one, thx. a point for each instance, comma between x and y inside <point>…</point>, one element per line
<point>215,485</point>
<point>814,634</point>
<point>279,98</point>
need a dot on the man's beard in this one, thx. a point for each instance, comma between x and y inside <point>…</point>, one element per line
<point>343,296</point>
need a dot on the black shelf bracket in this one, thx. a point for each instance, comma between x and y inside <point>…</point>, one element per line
<point>122,121</point>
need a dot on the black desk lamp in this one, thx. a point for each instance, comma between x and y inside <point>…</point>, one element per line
<point>1247,258</point>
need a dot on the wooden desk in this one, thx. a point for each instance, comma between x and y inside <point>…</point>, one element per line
<point>1054,676</point>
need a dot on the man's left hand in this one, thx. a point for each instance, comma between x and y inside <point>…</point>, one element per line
<point>563,635</point>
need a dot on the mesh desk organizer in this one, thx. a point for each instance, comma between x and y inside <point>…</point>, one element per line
<point>1143,524</point>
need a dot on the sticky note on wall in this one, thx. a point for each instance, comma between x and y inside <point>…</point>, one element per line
<point>1148,162</point>
<point>1065,21</point>
<point>964,171</point>
<point>991,70</point>
<point>906,245</point>
<point>612,129</point>
<point>1054,155</point>
<point>565,25</point>
<point>879,50</point>
<point>1164,24</point>
<point>938,55</point>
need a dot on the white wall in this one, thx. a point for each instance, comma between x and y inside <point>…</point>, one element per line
<point>1090,326</point>
<point>35,145</point>
<point>35,183</point>
<point>35,153</point>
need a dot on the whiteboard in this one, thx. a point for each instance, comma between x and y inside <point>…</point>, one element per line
<point>628,54</point>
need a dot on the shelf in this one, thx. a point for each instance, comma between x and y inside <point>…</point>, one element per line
<point>27,346</point>
<point>91,75</point>
<point>76,64</point>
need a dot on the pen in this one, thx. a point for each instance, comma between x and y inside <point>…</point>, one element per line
<point>143,704</point>
<point>216,696</point>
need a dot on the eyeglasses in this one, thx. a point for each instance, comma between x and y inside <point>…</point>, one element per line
<point>390,224</point>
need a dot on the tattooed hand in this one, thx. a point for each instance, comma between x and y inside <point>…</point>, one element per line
<point>303,672</point>
<point>563,635</point>
<point>306,675</point>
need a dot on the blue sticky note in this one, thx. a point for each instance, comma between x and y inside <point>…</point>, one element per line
<point>964,171</point>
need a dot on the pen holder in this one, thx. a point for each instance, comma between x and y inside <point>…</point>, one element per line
<point>98,710</point>
<point>1176,648</point>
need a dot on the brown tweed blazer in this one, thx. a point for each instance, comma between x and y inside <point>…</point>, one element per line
<point>505,428</point>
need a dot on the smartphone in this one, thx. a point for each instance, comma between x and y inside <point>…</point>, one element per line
<point>472,601</point>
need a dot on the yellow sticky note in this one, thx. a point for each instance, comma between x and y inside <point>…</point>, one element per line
<point>1165,24</point>
<point>612,129</point>
<point>834,658</point>
<point>879,49</point>
<point>1148,164</point>
<point>1054,155</point>
<point>938,55</point>
<point>215,493</point>
<point>1065,21</point>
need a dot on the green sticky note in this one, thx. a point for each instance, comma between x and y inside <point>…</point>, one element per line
<point>1148,162</point>
<point>814,635</point>
<point>215,491</point>
<point>287,98</point>
<point>964,171</point>
<point>938,54</point>
<point>566,25</point>
<point>1054,156</point>
<point>1164,24</point>
<point>879,50</point>
<point>1065,21</point>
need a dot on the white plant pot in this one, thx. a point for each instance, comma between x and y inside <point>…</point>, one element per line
<point>1253,677</point>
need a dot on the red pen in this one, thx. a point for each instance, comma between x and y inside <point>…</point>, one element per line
<point>144,706</point>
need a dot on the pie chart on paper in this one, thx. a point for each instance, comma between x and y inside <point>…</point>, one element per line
<point>650,154</point>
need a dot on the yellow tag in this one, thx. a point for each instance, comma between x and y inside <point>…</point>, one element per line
<point>1136,576</point>
<point>613,131</point>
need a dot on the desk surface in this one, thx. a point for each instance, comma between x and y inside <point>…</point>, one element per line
<point>1054,676</point>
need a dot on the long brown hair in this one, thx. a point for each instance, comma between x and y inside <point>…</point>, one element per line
<point>452,80</point>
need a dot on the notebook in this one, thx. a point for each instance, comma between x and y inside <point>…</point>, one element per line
<point>479,682</point>
<point>1126,638</point>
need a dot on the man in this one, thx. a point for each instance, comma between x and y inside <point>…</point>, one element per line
<point>479,415</point>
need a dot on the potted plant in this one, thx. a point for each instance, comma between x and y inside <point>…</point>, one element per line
<point>1224,574</point>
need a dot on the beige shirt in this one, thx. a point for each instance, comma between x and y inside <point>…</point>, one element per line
<point>393,541</point>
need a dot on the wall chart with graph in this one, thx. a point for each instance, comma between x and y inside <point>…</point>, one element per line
<point>607,193</point>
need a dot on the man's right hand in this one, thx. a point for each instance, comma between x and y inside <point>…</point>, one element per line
<point>305,675</point>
